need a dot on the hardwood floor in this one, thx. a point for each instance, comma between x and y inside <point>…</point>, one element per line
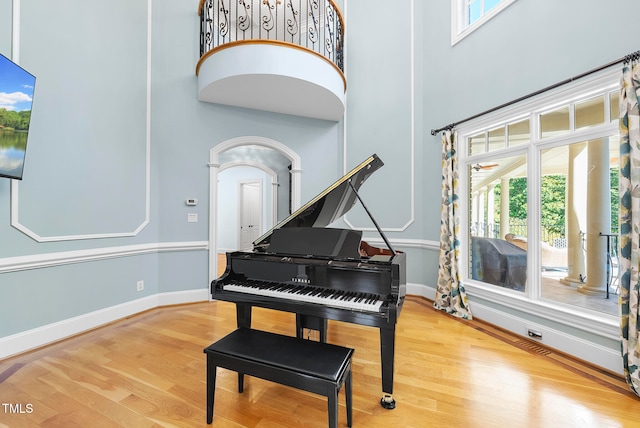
<point>149,371</point>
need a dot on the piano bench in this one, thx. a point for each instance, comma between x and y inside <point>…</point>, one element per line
<point>312,366</point>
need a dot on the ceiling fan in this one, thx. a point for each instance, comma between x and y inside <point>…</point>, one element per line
<point>478,167</point>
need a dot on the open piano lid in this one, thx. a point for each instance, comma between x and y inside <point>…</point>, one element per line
<point>334,202</point>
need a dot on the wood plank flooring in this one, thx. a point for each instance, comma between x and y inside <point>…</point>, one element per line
<point>149,371</point>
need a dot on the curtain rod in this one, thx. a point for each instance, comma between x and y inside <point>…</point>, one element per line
<point>626,59</point>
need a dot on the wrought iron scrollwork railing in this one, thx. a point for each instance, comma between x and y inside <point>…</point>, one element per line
<point>316,25</point>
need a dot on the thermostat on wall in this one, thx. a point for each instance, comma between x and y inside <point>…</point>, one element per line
<point>191,202</point>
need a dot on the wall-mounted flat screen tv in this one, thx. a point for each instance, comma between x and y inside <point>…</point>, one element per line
<point>16,97</point>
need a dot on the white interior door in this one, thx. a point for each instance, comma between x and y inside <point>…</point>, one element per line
<point>250,213</point>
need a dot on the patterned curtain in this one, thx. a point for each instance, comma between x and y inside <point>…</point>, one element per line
<point>450,294</point>
<point>630,222</point>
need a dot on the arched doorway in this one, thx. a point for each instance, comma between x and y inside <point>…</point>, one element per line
<point>215,167</point>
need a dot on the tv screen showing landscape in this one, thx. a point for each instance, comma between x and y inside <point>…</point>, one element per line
<point>16,96</point>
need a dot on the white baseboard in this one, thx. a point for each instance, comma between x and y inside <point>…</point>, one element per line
<point>609,359</point>
<point>598,355</point>
<point>421,290</point>
<point>181,297</point>
<point>41,336</point>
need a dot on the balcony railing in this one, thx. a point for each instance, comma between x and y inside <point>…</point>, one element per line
<point>314,25</point>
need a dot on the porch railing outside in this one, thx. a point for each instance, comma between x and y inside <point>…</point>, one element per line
<point>316,25</point>
<point>517,227</point>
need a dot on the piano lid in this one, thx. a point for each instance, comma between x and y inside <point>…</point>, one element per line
<point>331,204</point>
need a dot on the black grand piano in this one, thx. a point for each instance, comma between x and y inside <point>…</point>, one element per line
<point>321,273</point>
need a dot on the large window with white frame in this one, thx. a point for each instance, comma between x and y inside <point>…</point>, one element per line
<point>540,198</point>
<point>468,15</point>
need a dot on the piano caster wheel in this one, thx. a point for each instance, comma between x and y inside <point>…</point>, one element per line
<point>388,402</point>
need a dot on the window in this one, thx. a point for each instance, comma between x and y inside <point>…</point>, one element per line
<point>467,15</point>
<point>578,223</point>
<point>476,9</point>
<point>542,199</point>
<point>498,207</point>
<point>554,123</point>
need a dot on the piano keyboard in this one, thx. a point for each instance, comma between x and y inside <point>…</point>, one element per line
<point>367,302</point>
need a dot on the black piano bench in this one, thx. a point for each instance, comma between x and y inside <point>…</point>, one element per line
<point>312,366</point>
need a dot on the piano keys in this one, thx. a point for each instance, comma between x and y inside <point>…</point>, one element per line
<point>320,273</point>
<point>354,300</point>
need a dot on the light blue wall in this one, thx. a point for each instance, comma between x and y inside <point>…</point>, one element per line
<point>88,137</point>
<point>86,163</point>
<point>379,110</point>
<point>85,174</point>
<point>384,116</point>
<point>529,46</point>
<point>37,297</point>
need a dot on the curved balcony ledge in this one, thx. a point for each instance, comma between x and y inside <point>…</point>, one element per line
<point>283,56</point>
<point>272,76</point>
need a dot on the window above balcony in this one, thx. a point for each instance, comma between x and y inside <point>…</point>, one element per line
<point>283,56</point>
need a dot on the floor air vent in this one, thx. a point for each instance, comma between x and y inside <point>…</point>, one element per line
<point>533,347</point>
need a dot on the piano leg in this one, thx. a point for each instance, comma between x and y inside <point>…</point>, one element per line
<point>243,320</point>
<point>311,323</point>
<point>243,315</point>
<point>387,350</point>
